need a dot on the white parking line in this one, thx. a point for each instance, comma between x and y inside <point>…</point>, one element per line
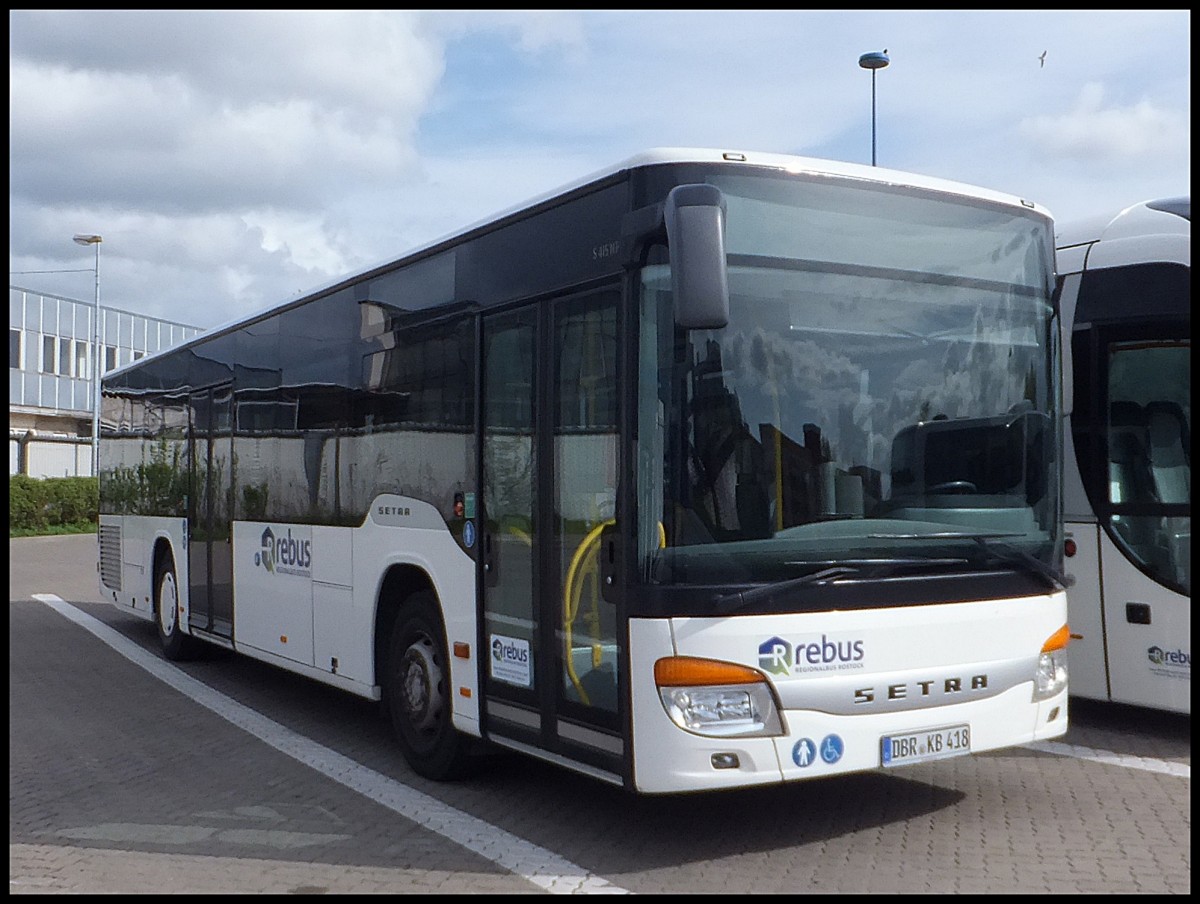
<point>1108,758</point>
<point>539,866</point>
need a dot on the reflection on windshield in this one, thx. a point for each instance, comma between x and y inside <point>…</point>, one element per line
<point>838,410</point>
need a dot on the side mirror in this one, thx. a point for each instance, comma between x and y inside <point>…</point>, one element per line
<point>695,220</point>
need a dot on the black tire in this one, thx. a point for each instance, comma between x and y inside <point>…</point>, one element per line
<point>417,693</point>
<point>176,645</point>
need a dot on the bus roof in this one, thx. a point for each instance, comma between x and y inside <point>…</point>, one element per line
<point>1164,216</point>
<point>651,157</point>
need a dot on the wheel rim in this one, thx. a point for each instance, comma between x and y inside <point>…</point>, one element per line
<point>168,602</point>
<point>421,698</point>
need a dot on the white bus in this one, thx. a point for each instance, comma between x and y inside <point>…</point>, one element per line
<point>711,470</point>
<point>1126,296</point>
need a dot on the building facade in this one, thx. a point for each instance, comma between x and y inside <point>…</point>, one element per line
<point>50,377</point>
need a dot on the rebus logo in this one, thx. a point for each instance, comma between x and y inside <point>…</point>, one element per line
<point>284,554</point>
<point>1159,656</point>
<point>779,657</point>
<point>508,652</point>
<point>267,556</point>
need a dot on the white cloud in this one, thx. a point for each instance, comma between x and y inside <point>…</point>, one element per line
<point>306,241</point>
<point>1094,131</point>
<point>254,132</point>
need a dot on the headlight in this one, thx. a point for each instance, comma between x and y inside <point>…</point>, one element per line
<point>1050,678</point>
<point>717,699</point>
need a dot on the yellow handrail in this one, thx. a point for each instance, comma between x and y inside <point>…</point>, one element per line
<point>582,562</point>
<point>585,552</point>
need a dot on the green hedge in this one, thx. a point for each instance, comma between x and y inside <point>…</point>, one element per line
<point>52,505</point>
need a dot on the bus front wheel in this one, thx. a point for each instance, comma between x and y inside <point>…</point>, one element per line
<point>417,692</point>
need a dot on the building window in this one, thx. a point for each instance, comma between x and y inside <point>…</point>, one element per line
<point>48,347</point>
<point>64,357</point>
<point>110,358</point>
<point>137,356</point>
<point>81,360</point>
<point>14,348</point>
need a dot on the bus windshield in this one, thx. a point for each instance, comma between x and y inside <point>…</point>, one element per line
<point>883,397</point>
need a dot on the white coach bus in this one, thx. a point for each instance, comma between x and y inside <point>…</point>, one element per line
<point>1126,296</point>
<point>714,469</point>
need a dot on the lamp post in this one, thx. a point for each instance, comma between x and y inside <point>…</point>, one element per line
<point>874,60</point>
<point>91,239</point>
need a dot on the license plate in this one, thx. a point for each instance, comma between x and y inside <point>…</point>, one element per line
<point>920,746</point>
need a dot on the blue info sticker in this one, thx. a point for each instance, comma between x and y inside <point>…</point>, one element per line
<point>832,748</point>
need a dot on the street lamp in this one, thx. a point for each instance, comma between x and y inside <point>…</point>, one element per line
<point>874,60</point>
<point>90,239</point>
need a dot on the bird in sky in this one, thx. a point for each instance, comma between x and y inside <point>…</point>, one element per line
<point>1042,60</point>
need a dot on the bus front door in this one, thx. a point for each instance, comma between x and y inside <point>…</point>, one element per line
<point>550,451</point>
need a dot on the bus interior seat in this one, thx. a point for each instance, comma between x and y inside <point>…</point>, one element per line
<point>1130,479</point>
<point>1169,463</point>
<point>600,684</point>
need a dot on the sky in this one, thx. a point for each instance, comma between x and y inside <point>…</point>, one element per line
<point>234,160</point>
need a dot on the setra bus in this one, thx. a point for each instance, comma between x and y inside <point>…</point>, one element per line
<point>713,469</point>
<point>1126,294</point>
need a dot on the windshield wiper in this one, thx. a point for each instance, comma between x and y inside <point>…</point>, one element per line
<point>1011,555</point>
<point>839,568</point>
<point>945,535</point>
<point>886,564</point>
<point>1001,552</point>
<point>742,598</point>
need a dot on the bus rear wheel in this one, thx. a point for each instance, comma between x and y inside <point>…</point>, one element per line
<point>175,644</point>
<point>417,692</point>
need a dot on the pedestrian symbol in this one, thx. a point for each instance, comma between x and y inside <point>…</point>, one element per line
<point>804,752</point>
